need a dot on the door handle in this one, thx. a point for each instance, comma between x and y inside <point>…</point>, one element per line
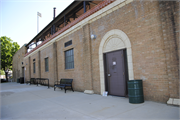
<point>109,75</point>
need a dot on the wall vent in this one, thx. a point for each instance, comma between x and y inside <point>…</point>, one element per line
<point>68,43</point>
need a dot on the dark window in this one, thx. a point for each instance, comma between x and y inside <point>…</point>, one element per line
<point>46,65</point>
<point>34,67</point>
<point>68,43</point>
<point>69,59</point>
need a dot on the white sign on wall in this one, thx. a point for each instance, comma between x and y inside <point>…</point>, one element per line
<point>114,63</point>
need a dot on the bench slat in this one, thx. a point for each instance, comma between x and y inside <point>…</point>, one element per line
<point>65,84</point>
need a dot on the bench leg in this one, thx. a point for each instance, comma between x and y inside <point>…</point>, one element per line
<point>65,90</point>
<point>72,89</point>
<point>54,88</point>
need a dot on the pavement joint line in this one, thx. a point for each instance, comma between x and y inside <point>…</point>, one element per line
<point>126,111</point>
<point>47,99</point>
<point>39,97</point>
<point>16,90</point>
<point>70,102</point>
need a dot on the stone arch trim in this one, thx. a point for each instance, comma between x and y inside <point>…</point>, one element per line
<point>114,40</point>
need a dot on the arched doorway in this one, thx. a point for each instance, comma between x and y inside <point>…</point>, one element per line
<point>112,41</point>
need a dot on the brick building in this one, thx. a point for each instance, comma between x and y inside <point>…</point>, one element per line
<point>103,44</point>
<point>18,63</point>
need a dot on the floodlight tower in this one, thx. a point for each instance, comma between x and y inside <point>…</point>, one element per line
<point>38,15</point>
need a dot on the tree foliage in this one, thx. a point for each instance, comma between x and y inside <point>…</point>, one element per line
<point>8,49</point>
<point>2,72</point>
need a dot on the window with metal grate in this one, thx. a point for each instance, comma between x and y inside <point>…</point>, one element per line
<point>69,59</point>
<point>46,65</point>
<point>34,67</point>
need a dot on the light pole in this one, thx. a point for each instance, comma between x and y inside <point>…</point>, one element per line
<point>38,15</point>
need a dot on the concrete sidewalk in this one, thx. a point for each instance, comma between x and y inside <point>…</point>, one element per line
<point>20,101</point>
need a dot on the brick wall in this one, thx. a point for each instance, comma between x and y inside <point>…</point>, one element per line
<point>17,65</point>
<point>27,71</point>
<point>48,52</point>
<point>153,30</point>
<point>168,12</point>
<point>77,73</point>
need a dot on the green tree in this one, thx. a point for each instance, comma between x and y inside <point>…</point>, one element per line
<point>2,72</point>
<point>8,49</point>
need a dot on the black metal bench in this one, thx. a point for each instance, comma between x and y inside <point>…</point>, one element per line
<point>31,81</point>
<point>64,84</point>
<point>42,81</point>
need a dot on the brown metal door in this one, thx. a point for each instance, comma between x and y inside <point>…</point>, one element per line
<point>115,73</point>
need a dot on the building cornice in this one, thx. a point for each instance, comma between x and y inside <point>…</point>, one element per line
<point>102,9</point>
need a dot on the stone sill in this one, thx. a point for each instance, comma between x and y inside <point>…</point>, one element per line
<point>173,101</point>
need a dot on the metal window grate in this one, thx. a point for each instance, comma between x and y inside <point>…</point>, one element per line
<point>69,59</point>
<point>46,65</point>
<point>68,43</point>
<point>34,67</point>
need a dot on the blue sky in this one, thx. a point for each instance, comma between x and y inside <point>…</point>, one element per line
<point>18,18</point>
